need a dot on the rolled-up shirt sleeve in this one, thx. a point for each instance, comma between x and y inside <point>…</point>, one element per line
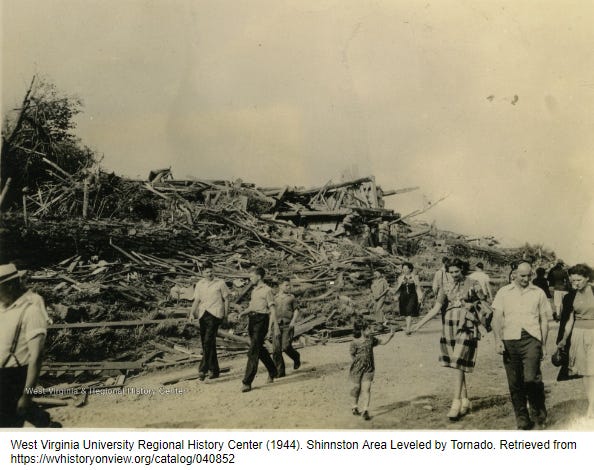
<point>269,299</point>
<point>35,320</point>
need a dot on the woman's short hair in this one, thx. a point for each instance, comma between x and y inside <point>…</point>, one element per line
<point>581,269</point>
<point>408,265</point>
<point>462,265</point>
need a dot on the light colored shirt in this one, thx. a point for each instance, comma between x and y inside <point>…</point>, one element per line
<point>35,321</point>
<point>583,309</point>
<point>521,309</point>
<point>262,299</point>
<point>483,280</point>
<point>212,296</point>
<point>441,280</point>
<point>379,287</point>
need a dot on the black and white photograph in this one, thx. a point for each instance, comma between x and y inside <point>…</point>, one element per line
<point>297,215</point>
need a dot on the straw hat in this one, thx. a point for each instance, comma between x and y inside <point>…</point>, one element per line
<point>8,272</point>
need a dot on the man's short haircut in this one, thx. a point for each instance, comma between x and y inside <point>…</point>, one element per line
<point>581,269</point>
<point>480,265</point>
<point>540,272</point>
<point>259,270</point>
<point>408,265</point>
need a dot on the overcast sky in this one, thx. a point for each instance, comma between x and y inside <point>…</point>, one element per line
<point>490,102</point>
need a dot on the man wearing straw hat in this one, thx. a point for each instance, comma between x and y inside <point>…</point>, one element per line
<point>22,336</point>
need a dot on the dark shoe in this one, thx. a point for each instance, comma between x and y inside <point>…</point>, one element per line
<point>356,411</point>
<point>246,388</point>
<point>280,374</point>
<point>201,376</point>
<point>366,416</point>
<point>526,426</point>
<point>213,376</point>
<point>297,364</point>
<point>270,379</point>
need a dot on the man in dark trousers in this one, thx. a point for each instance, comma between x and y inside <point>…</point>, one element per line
<point>24,323</point>
<point>262,318</point>
<point>287,314</point>
<point>211,302</point>
<point>520,324</point>
<point>559,282</point>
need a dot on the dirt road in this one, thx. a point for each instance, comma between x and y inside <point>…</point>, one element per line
<point>410,391</point>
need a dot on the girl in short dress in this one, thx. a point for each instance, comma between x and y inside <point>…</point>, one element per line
<point>363,366</point>
<point>460,331</point>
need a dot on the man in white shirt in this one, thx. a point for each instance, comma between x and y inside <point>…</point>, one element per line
<point>441,277</point>
<point>211,302</point>
<point>480,276</point>
<point>520,325</point>
<point>24,323</point>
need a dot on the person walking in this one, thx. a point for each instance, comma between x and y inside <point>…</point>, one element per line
<point>541,281</point>
<point>576,330</point>
<point>410,294</point>
<point>480,276</point>
<point>379,289</point>
<point>362,370</point>
<point>287,315</point>
<point>261,323</point>
<point>22,339</point>
<point>211,304</point>
<point>559,282</point>
<point>460,332</point>
<point>520,326</point>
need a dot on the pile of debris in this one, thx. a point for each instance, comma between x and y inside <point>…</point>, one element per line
<point>116,261</point>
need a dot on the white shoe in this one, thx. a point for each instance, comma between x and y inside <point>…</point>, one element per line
<point>465,406</point>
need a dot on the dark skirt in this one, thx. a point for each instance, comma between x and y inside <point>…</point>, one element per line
<point>408,302</point>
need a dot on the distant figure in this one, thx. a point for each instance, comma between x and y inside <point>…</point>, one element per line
<point>261,322</point>
<point>483,279</point>
<point>441,276</point>
<point>460,332</point>
<point>22,338</point>
<point>287,315</point>
<point>362,368</point>
<point>410,294</point>
<point>379,289</point>
<point>559,282</point>
<point>384,236</point>
<point>541,281</point>
<point>211,303</point>
<point>520,326</point>
<point>512,271</point>
<point>576,330</point>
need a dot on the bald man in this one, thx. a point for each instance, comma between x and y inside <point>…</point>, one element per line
<point>520,325</point>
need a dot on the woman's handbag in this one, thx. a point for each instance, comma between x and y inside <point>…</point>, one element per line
<point>560,357</point>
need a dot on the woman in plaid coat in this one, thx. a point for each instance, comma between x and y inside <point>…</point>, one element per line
<point>460,331</point>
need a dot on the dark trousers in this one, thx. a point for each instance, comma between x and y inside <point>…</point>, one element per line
<point>12,385</point>
<point>283,343</point>
<point>257,329</point>
<point>209,326</point>
<point>522,359</point>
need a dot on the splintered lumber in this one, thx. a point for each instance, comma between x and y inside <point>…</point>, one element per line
<point>392,192</point>
<point>239,339</point>
<point>115,324</point>
<point>82,366</point>
<point>310,325</point>
<point>50,401</point>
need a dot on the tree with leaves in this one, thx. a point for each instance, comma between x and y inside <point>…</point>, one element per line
<point>38,143</point>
